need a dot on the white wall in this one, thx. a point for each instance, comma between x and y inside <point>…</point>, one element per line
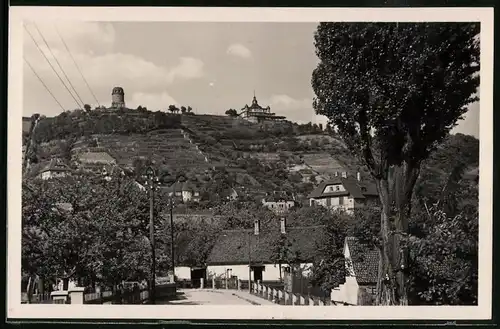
<point>347,292</point>
<point>52,174</point>
<point>348,203</point>
<point>271,271</point>
<point>183,272</point>
<point>186,196</point>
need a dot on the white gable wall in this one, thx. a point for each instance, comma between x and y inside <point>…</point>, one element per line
<point>348,291</point>
<point>334,188</point>
<point>183,272</point>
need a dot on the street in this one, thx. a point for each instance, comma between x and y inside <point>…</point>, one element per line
<point>210,297</point>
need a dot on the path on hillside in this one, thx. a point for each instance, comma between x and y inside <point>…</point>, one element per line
<point>209,297</point>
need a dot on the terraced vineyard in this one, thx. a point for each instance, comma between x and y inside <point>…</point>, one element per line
<point>167,146</point>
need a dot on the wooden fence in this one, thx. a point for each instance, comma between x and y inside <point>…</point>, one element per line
<point>36,298</point>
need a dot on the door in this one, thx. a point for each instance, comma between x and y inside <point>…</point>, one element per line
<point>257,273</point>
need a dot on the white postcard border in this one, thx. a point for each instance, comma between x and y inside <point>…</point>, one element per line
<point>16,310</point>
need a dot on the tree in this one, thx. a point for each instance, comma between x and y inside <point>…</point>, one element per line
<point>87,108</point>
<point>183,109</point>
<point>282,252</point>
<point>329,266</point>
<point>172,108</point>
<point>232,113</point>
<point>394,91</point>
<point>87,228</point>
<point>189,109</point>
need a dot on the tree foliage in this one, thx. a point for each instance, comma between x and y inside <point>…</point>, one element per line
<point>87,227</point>
<point>393,92</point>
<point>232,113</point>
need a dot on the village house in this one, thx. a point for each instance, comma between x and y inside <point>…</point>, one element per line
<point>360,287</point>
<point>278,203</point>
<point>344,193</point>
<point>55,168</point>
<point>235,250</point>
<point>185,191</point>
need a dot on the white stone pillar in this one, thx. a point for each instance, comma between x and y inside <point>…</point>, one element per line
<point>202,283</point>
<point>59,296</point>
<point>76,295</point>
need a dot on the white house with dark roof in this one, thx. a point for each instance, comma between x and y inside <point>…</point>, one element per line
<point>235,250</point>
<point>361,278</point>
<point>278,202</point>
<point>186,191</point>
<point>344,193</point>
<point>55,168</point>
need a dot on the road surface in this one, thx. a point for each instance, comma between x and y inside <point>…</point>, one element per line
<point>206,297</point>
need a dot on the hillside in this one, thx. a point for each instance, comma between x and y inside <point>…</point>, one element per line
<point>231,152</point>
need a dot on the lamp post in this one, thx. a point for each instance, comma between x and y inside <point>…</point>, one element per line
<point>249,264</point>
<point>152,183</point>
<point>172,234</point>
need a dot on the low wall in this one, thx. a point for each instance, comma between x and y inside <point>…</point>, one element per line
<point>128,296</point>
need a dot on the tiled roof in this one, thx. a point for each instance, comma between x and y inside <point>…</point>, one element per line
<point>184,186</point>
<point>96,157</point>
<point>232,245</point>
<point>55,165</point>
<point>356,189</point>
<point>364,260</point>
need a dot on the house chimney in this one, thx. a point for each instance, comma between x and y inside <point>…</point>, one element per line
<point>336,174</point>
<point>358,175</point>
<point>283,225</point>
<point>344,174</point>
<point>256,227</point>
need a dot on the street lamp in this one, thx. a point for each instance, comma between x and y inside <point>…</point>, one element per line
<point>152,183</point>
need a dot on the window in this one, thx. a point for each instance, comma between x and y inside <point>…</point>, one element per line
<point>341,200</point>
<point>337,188</point>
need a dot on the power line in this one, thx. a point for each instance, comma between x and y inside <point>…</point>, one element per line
<point>58,64</point>
<point>78,68</point>
<point>43,83</point>
<point>36,43</point>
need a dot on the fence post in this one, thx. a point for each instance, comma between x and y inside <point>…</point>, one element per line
<point>239,284</point>
<point>213,284</point>
<point>76,295</point>
<point>202,283</point>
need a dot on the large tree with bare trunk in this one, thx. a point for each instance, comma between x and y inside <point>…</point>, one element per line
<point>394,91</point>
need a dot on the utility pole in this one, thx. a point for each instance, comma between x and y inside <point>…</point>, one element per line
<point>249,264</point>
<point>152,180</point>
<point>172,235</point>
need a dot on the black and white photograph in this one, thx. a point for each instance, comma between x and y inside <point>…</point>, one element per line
<point>250,163</point>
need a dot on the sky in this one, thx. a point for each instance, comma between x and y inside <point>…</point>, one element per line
<point>209,66</point>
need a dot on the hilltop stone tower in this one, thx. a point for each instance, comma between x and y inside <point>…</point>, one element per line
<point>117,98</point>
